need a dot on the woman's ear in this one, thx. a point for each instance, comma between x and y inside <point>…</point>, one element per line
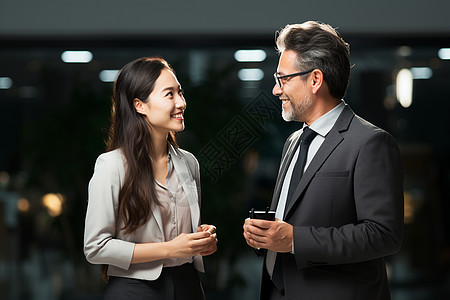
<point>317,80</point>
<point>139,106</point>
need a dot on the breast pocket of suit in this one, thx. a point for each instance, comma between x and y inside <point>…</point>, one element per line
<point>333,174</point>
<point>331,196</point>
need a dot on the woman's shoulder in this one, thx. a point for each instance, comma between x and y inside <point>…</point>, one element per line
<point>112,155</point>
<point>110,159</point>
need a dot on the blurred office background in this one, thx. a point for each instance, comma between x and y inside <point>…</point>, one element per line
<point>54,109</point>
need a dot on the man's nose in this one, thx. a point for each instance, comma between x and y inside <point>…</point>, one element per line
<point>276,91</point>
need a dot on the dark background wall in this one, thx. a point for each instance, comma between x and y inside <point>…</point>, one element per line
<point>114,17</point>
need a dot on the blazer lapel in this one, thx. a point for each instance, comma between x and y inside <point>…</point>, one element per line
<point>332,140</point>
<point>157,215</point>
<point>189,185</point>
<point>286,161</point>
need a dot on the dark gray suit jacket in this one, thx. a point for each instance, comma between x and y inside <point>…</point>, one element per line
<point>347,214</point>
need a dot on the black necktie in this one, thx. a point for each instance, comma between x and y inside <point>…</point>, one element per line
<point>273,261</point>
<point>305,140</point>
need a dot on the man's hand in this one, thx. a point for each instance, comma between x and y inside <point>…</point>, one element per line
<point>273,235</point>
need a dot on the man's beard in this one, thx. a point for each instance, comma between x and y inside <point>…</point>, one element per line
<point>297,112</point>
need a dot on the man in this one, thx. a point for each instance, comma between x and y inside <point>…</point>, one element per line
<point>340,212</point>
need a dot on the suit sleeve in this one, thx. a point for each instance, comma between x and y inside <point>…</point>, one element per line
<point>378,202</point>
<point>100,243</point>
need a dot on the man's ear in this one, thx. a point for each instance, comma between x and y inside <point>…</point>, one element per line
<point>317,80</point>
<point>139,106</point>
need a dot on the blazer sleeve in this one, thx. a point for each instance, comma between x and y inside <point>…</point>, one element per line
<point>378,201</point>
<point>101,245</point>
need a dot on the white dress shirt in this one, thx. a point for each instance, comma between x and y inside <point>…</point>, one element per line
<point>322,126</point>
<point>175,210</point>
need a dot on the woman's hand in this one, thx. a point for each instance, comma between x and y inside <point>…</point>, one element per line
<point>203,242</point>
<point>191,244</point>
<point>205,227</point>
<point>213,246</point>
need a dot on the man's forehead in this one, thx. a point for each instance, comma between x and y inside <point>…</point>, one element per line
<point>287,61</point>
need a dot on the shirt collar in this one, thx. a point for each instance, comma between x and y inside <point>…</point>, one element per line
<point>324,124</point>
<point>169,164</point>
<point>172,149</point>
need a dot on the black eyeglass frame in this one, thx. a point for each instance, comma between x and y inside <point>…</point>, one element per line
<point>278,78</point>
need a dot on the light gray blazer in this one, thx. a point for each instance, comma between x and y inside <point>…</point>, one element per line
<point>105,243</point>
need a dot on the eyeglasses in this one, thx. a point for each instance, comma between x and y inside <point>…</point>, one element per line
<point>278,78</point>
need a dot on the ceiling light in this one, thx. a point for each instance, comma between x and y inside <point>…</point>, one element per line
<point>5,83</point>
<point>250,55</point>
<point>108,75</point>
<point>76,56</point>
<point>422,73</point>
<point>444,53</point>
<point>251,74</point>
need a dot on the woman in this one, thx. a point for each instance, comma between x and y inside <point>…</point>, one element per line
<point>144,197</point>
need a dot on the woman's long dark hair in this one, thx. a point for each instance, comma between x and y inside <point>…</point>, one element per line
<point>130,132</point>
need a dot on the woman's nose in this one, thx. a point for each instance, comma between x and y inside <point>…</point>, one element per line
<point>180,102</point>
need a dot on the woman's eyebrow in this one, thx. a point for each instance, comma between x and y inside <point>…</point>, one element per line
<point>172,88</point>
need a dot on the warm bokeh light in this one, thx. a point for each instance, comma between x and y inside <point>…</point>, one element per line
<point>404,51</point>
<point>412,204</point>
<point>404,87</point>
<point>4,178</point>
<point>23,205</point>
<point>53,203</point>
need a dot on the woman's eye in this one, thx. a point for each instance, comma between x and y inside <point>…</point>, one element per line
<point>169,94</point>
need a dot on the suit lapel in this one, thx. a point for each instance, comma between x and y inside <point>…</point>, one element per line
<point>332,140</point>
<point>286,161</point>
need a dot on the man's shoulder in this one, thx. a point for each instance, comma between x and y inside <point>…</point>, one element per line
<point>362,130</point>
<point>360,124</point>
